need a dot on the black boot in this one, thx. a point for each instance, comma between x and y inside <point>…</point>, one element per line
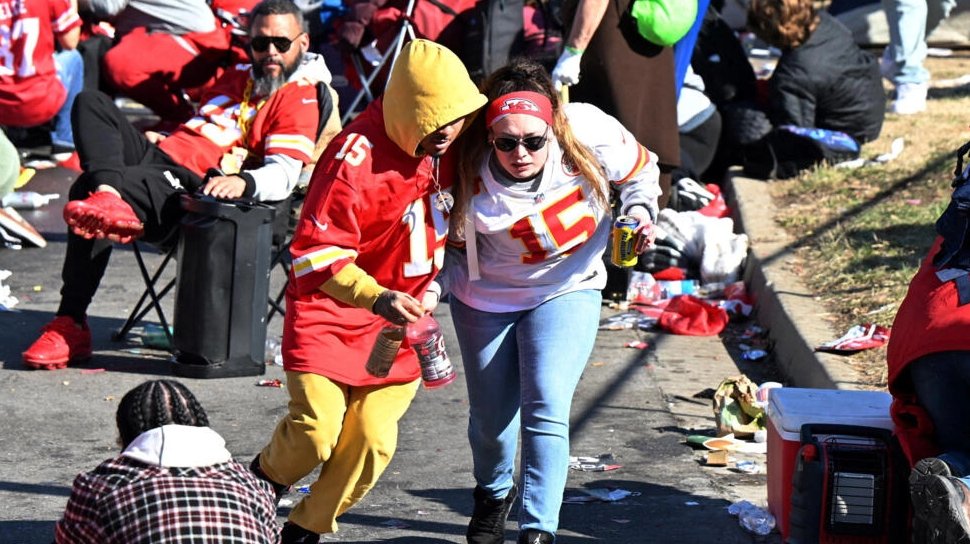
<point>294,534</point>
<point>279,489</point>
<point>533,536</point>
<point>488,519</point>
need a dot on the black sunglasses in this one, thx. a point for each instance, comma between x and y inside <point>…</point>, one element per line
<point>260,44</point>
<point>532,143</point>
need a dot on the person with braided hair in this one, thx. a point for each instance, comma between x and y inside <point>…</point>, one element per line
<point>174,481</point>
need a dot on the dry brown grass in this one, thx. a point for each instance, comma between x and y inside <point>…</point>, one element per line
<point>862,233</point>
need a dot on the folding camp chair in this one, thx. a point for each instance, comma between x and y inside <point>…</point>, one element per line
<point>151,298</point>
<point>405,33</point>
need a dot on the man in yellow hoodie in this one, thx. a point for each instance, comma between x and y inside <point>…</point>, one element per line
<point>368,245</point>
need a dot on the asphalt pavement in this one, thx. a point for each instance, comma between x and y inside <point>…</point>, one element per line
<point>635,406</point>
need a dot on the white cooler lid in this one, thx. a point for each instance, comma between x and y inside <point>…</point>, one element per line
<point>790,407</point>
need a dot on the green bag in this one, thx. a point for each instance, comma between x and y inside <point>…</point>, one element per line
<point>664,22</point>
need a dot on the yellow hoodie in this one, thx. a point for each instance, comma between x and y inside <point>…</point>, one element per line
<point>429,88</point>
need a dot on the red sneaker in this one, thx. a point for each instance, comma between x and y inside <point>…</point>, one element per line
<point>61,342</point>
<point>103,215</point>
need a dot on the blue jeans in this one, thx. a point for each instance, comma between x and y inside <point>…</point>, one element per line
<point>910,21</point>
<point>70,70</point>
<point>942,384</point>
<point>521,370</point>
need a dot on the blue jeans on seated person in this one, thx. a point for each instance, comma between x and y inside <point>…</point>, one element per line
<point>70,70</point>
<point>521,370</point>
<point>942,384</point>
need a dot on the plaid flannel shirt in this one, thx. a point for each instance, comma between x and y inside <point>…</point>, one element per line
<point>128,501</point>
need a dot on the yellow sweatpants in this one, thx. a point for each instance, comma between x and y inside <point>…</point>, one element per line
<point>351,430</point>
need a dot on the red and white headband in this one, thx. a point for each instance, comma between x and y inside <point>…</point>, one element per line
<point>523,102</point>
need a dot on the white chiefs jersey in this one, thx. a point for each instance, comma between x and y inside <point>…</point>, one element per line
<point>533,245</point>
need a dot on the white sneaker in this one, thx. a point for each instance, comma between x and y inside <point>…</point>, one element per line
<point>910,99</point>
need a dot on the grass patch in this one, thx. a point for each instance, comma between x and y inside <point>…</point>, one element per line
<point>862,233</point>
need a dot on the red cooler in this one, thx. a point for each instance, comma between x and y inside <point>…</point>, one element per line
<point>788,409</point>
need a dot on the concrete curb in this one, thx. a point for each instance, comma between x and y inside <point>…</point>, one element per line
<point>796,322</point>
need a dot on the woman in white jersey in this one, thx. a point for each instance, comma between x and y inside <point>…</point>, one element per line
<point>532,212</point>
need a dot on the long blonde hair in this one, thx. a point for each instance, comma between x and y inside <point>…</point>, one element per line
<point>521,74</point>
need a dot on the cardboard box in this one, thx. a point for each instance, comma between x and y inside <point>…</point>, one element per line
<point>788,409</point>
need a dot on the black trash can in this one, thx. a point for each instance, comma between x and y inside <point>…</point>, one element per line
<point>224,255</point>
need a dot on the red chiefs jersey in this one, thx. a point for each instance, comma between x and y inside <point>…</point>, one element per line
<point>30,93</point>
<point>285,124</point>
<point>376,213</point>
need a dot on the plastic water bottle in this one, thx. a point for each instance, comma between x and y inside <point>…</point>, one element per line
<point>428,342</point>
<point>273,354</point>
<point>385,350</point>
<point>27,200</point>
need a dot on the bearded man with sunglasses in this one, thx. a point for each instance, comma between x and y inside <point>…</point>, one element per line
<point>257,125</point>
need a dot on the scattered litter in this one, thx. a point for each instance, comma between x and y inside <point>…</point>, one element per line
<point>716,458</point>
<point>92,370</point>
<point>305,489</point>
<point>883,308</point>
<point>600,495</point>
<point>913,201</point>
<point>754,355</point>
<point>153,336</point>
<point>286,502</point>
<point>950,83</point>
<point>697,439</point>
<point>637,345</point>
<point>858,338</point>
<point>626,321</point>
<point>722,443</point>
<point>395,524</point>
<point>27,200</point>
<point>747,467</point>
<point>276,382</point>
<point>65,383</point>
<point>7,301</point>
<point>601,463</point>
<point>38,288</point>
<point>273,354</point>
<point>40,164</point>
<point>895,150</point>
<point>753,518</point>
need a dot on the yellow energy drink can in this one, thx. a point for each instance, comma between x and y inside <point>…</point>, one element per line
<point>624,241</point>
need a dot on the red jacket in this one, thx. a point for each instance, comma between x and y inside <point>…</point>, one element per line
<point>928,321</point>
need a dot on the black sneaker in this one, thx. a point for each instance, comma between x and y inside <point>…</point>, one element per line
<point>487,525</point>
<point>279,489</point>
<point>942,507</point>
<point>919,478</point>
<point>533,536</point>
<point>294,534</point>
